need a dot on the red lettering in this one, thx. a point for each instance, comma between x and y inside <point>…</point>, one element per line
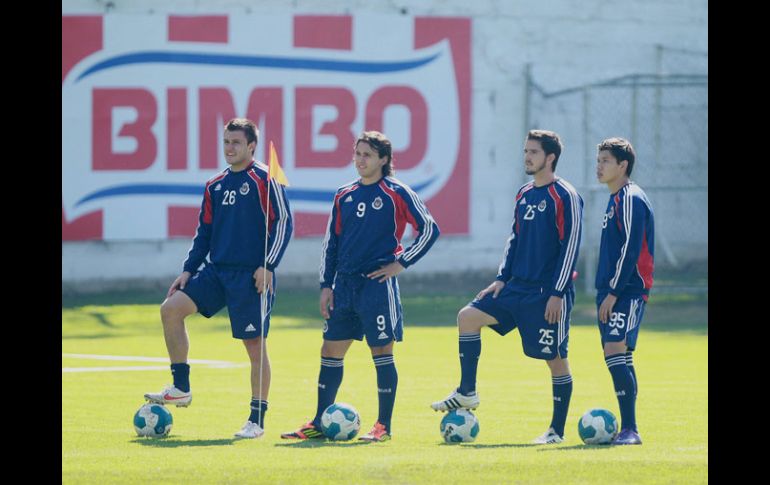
<point>216,108</point>
<point>418,111</point>
<point>305,99</point>
<point>176,125</point>
<point>104,102</point>
<point>267,104</point>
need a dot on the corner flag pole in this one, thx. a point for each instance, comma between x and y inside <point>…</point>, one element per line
<point>263,293</point>
<point>273,172</point>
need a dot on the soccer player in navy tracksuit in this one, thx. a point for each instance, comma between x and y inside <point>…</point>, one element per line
<point>362,255</point>
<point>624,275</point>
<point>533,289</point>
<point>231,230</point>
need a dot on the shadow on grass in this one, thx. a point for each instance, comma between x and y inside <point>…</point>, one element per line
<point>498,445</point>
<point>318,443</point>
<point>174,442</point>
<point>579,447</point>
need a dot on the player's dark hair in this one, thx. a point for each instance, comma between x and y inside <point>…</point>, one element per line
<point>550,142</point>
<point>247,127</point>
<point>621,149</point>
<point>384,148</point>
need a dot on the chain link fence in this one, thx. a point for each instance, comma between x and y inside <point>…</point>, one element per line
<point>665,116</point>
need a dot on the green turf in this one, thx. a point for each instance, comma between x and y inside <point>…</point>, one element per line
<point>100,446</point>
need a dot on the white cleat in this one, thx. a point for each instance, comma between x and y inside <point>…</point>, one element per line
<point>250,430</point>
<point>549,437</point>
<point>457,401</point>
<point>170,395</point>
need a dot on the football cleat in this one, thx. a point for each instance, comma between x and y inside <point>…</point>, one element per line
<point>549,437</point>
<point>456,400</point>
<point>378,433</point>
<point>250,430</point>
<point>307,431</point>
<point>170,395</point>
<point>627,437</point>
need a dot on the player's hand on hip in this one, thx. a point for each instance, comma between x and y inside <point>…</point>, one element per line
<point>263,280</point>
<point>326,302</point>
<point>387,271</point>
<point>553,310</point>
<point>495,288</point>
<point>179,283</point>
<point>605,309</point>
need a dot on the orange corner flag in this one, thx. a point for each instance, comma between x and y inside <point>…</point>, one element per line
<point>274,170</point>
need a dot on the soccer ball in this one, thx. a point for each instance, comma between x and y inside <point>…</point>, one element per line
<point>459,426</point>
<point>153,420</point>
<point>340,421</point>
<point>597,427</point>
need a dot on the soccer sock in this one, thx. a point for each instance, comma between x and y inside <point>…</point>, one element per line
<point>562,392</point>
<point>329,380</point>
<point>470,350</point>
<point>624,389</point>
<point>630,365</point>
<point>181,375</point>
<point>387,382</point>
<point>258,410</point>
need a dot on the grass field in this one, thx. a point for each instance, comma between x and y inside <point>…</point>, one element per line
<point>99,444</point>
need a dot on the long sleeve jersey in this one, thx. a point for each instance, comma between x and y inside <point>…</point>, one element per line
<point>626,252</point>
<point>543,246</point>
<point>231,224</point>
<point>366,225</point>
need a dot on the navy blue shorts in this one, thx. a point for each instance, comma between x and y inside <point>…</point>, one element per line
<point>523,306</point>
<point>212,288</point>
<point>625,318</point>
<point>363,306</point>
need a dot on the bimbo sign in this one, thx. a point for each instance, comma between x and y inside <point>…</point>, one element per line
<point>145,97</point>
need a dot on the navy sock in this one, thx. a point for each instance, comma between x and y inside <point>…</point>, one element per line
<point>387,382</point>
<point>562,392</point>
<point>258,410</point>
<point>630,365</point>
<point>624,389</point>
<point>181,375</point>
<point>329,380</point>
<point>470,350</point>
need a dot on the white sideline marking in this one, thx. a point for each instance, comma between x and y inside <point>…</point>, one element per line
<point>211,364</point>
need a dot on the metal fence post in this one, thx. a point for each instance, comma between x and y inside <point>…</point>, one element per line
<point>589,251</point>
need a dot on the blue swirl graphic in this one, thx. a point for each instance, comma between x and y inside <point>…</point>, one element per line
<point>159,57</point>
<point>295,194</point>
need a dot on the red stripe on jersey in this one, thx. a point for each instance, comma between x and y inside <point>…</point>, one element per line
<point>645,265</point>
<point>208,212</point>
<point>400,213</point>
<point>618,217</point>
<point>198,28</point>
<point>324,31</point>
<point>559,211</point>
<point>338,225</point>
<point>263,201</point>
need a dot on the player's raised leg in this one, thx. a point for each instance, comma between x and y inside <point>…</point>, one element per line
<point>470,321</point>
<point>173,311</point>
